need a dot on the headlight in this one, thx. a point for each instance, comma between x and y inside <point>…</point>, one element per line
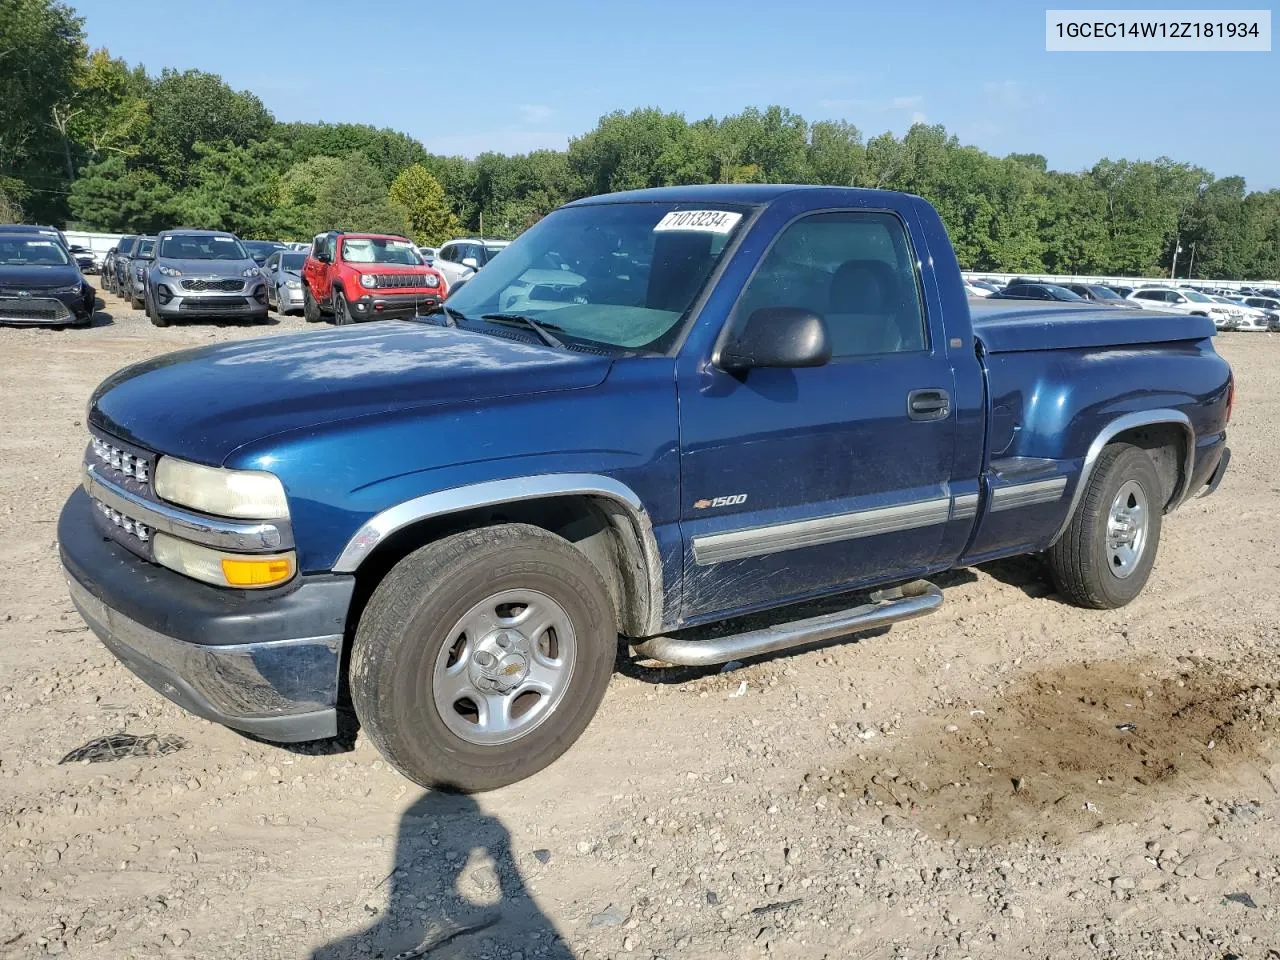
<point>293,284</point>
<point>368,280</point>
<point>250,272</point>
<point>246,494</point>
<point>70,288</point>
<point>432,280</point>
<point>251,571</point>
<point>170,271</point>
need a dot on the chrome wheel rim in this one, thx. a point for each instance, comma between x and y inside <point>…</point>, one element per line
<point>505,667</point>
<point>1127,529</point>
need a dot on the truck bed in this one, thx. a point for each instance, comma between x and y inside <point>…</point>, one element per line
<point>1007,326</point>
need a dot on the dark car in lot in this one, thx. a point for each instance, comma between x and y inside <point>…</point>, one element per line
<point>1038,291</point>
<point>136,272</point>
<point>1099,294</point>
<point>120,266</point>
<point>40,284</point>
<point>203,273</point>
<point>260,250</point>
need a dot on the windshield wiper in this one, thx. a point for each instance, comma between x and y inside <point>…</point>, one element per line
<point>451,314</point>
<point>543,330</point>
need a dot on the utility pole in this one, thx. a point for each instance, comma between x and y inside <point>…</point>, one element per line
<point>1192,264</point>
<point>1177,249</point>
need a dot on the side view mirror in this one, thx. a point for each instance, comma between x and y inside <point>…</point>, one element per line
<point>323,257</point>
<point>778,337</point>
<point>471,262</point>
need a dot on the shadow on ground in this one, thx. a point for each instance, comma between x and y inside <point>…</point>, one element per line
<point>455,892</point>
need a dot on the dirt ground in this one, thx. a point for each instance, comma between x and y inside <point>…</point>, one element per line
<point>1011,777</point>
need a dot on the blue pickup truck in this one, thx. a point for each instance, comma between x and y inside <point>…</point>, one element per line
<point>655,412</point>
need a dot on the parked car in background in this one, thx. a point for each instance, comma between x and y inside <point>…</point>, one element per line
<point>1231,322</point>
<point>203,273</point>
<point>283,271</point>
<point>1252,319</point>
<point>367,276</point>
<point>261,249</point>
<point>1270,306</point>
<point>108,270</point>
<point>136,272</point>
<point>453,521</point>
<point>124,251</point>
<point>1038,291</point>
<point>1100,294</point>
<point>428,255</point>
<point>1185,300</point>
<point>973,290</point>
<point>1121,290</point>
<point>84,258</point>
<point>462,259</point>
<point>989,285</point>
<point>37,229</point>
<point>40,284</point>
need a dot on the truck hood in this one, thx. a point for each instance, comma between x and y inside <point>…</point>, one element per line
<point>203,403</point>
<point>207,268</point>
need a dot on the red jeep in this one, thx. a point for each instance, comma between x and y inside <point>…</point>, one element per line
<point>367,276</point>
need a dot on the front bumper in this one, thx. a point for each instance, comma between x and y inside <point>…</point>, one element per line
<point>44,309</point>
<point>249,302</point>
<point>263,662</point>
<point>382,306</point>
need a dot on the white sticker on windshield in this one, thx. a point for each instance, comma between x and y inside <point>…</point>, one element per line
<point>705,221</point>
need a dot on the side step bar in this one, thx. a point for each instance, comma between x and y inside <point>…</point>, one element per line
<point>911,600</point>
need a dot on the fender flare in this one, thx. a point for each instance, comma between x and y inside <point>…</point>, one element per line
<point>1133,421</point>
<point>382,525</point>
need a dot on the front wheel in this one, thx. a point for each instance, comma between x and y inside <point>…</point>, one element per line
<point>341,313</point>
<point>482,657</point>
<point>1106,555</point>
<point>310,309</point>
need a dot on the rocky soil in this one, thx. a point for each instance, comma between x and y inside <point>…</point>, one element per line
<point>1012,777</point>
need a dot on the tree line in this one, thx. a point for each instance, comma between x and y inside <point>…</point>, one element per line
<point>89,139</point>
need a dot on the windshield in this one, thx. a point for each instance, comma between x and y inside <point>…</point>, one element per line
<point>292,261</point>
<point>494,250</point>
<point>262,248</point>
<point>1062,293</point>
<point>618,274</point>
<point>144,248</point>
<point>1195,297</point>
<point>34,250</point>
<point>370,250</point>
<point>1102,293</point>
<point>192,246</point>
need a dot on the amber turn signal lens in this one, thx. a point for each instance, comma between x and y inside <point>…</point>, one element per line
<point>250,572</point>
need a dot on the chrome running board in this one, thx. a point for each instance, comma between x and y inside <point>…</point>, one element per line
<point>911,600</point>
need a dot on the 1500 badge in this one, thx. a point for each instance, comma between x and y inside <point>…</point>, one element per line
<point>731,501</point>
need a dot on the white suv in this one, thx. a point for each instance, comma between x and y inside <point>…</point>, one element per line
<point>459,260</point>
<point>1169,300</point>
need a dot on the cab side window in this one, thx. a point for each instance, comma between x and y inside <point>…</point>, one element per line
<point>854,269</point>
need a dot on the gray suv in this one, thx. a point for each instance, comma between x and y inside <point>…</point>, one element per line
<point>203,273</point>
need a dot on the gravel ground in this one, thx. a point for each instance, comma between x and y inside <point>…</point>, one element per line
<point>1012,777</point>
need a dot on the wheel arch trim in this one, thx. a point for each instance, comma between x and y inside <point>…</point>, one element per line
<point>378,528</point>
<point>1134,421</point>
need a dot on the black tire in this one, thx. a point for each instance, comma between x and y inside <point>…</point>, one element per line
<point>135,302</point>
<point>409,620</point>
<point>310,309</point>
<point>154,315</point>
<point>341,312</point>
<point>1081,563</point>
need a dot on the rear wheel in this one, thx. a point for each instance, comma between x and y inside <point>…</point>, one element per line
<point>154,315</point>
<point>1106,555</point>
<point>482,657</point>
<point>310,309</point>
<point>135,301</point>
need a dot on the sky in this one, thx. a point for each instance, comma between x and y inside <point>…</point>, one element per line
<point>514,75</point>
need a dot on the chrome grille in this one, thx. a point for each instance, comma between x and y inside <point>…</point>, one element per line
<point>124,523</point>
<point>227,286</point>
<point>120,461</point>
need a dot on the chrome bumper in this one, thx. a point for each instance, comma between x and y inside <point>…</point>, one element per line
<point>280,690</point>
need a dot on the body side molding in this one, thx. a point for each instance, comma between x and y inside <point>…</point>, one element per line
<point>493,492</point>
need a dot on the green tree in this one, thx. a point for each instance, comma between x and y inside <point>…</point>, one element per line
<point>195,107</point>
<point>110,195</point>
<point>354,197</point>
<point>422,199</point>
<point>108,111</point>
<point>41,45</point>
<point>234,188</point>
